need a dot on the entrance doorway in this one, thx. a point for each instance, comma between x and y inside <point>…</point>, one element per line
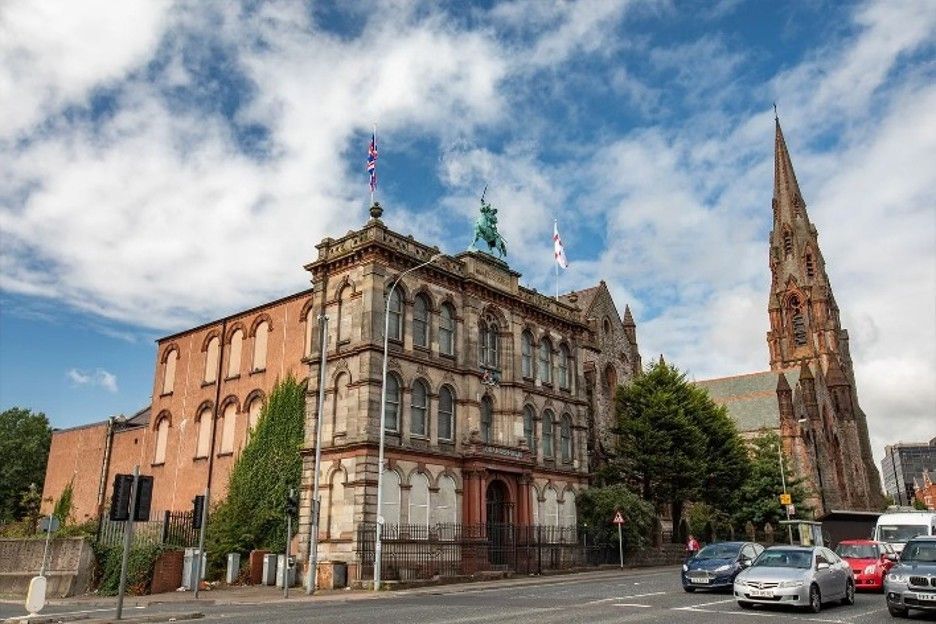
<point>498,503</point>
<point>499,517</point>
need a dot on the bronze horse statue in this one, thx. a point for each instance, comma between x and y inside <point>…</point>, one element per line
<point>485,229</point>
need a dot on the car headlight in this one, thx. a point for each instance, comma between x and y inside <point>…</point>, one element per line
<point>871,569</point>
<point>723,568</point>
<point>789,584</point>
<point>897,577</point>
<point>685,568</point>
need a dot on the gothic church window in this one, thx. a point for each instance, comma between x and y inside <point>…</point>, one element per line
<point>787,243</point>
<point>611,380</point>
<point>446,426</point>
<point>392,420</point>
<point>487,419</point>
<point>447,330</point>
<point>810,266</point>
<point>421,321</point>
<point>798,321</point>
<point>418,405</point>
<point>395,316</point>
<point>526,354</point>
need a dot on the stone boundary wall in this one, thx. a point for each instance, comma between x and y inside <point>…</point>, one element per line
<point>68,567</point>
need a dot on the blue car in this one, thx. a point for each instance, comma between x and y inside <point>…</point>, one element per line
<point>717,565</point>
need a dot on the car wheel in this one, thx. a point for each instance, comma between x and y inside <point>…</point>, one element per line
<point>688,589</point>
<point>745,605</point>
<point>815,599</point>
<point>849,598</point>
<point>897,611</point>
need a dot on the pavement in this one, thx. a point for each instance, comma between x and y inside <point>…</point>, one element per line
<point>178,605</point>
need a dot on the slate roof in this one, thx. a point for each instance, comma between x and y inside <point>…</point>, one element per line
<point>751,399</point>
<point>585,297</point>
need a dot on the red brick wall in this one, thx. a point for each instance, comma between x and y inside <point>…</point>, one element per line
<point>167,574</point>
<point>75,454</point>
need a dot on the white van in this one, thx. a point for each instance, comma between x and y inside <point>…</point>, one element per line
<point>897,528</point>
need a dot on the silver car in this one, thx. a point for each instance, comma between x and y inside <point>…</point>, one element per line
<point>797,576</point>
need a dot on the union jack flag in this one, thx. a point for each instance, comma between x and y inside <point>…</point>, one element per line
<point>372,161</point>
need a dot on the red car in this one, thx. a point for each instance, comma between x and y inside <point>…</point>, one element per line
<point>869,561</point>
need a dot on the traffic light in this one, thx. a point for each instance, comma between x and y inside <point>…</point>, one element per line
<point>198,510</point>
<point>120,499</point>
<point>144,498</point>
<point>292,503</point>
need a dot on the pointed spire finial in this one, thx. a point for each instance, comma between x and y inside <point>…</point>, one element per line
<point>775,115</point>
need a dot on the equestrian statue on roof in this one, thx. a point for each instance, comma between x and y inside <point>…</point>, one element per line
<point>485,229</point>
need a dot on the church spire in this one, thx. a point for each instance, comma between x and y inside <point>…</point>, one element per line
<point>788,200</point>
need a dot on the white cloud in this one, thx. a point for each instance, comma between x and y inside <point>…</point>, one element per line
<point>99,377</point>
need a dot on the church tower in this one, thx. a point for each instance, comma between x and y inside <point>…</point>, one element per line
<point>806,333</point>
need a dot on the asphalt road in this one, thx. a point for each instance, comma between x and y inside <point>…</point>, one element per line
<point>593,598</point>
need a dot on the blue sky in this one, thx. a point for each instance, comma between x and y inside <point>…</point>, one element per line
<point>163,164</point>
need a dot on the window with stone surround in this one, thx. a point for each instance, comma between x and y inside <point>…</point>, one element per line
<point>343,322</point>
<point>211,360</point>
<point>529,428</point>
<point>526,354</point>
<point>487,419</point>
<point>338,509</point>
<point>797,321</point>
<point>390,497</point>
<point>447,330</point>
<point>549,449</point>
<point>565,437</point>
<point>551,508</point>
<point>569,510</point>
<point>445,510</point>
<point>162,438</point>
<point>392,420</point>
<point>395,316</point>
<point>419,500</point>
<point>419,399</point>
<point>488,342</point>
<point>544,368</point>
<point>169,370</point>
<point>564,367</point>
<point>787,243</point>
<point>309,325</point>
<point>446,426</point>
<point>421,321</point>
<point>810,266</point>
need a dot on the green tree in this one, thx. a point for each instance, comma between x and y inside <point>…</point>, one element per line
<point>63,506</point>
<point>596,507</point>
<point>25,437</point>
<point>252,515</point>
<point>675,443</point>
<point>759,496</point>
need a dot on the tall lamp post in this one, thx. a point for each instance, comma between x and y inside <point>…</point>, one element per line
<point>783,482</point>
<point>378,546</point>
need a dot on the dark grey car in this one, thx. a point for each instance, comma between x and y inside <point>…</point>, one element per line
<point>911,584</point>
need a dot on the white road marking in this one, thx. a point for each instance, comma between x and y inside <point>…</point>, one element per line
<point>703,604</point>
<point>632,604</point>
<point>591,602</point>
<point>762,614</point>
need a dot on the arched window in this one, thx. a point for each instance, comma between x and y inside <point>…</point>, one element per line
<point>606,325</point>
<point>418,404</point>
<point>260,346</point>
<point>338,509</point>
<point>162,439</point>
<point>390,498</point>
<point>798,321</point>
<point>203,445</point>
<point>211,360</point>
<point>339,419</point>
<point>421,321</point>
<point>228,425</point>
<point>447,330</point>
<point>564,367</point>
<point>810,266</point>
<point>529,431</point>
<point>309,328</point>
<point>253,415</point>
<point>549,449</point>
<point>488,331</point>
<point>395,329</point>
<point>565,437</point>
<point>551,508</point>
<point>446,426</point>
<point>445,511</point>
<point>169,371</point>
<point>392,420</point>
<point>544,370</point>
<point>419,500</point>
<point>611,380</point>
<point>787,243</point>
<point>343,322</point>
<point>568,510</point>
<point>535,506</point>
<point>234,362</point>
<point>526,354</point>
<point>487,419</point>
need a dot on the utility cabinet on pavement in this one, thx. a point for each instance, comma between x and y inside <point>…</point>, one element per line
<point>233,568</point>
<point>269,569</point>
<point>285,567</point>
<point>188,568</point>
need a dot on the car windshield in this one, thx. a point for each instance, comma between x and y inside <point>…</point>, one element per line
<point>719,551</point>
<point>900,532</point>
<point>857,551</point>
<point>920,552</point>
<point>784,559</point>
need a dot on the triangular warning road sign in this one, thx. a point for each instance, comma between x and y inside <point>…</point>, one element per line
<point>618,518</point>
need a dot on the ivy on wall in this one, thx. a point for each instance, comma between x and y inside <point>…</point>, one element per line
<point>252,516</point>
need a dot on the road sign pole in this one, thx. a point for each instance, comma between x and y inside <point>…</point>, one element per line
<point>620,546</point>
<point>128,541</point>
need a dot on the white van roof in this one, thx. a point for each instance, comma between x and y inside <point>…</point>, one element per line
<point>907,517</point>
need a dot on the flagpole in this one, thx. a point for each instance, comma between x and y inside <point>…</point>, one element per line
<point>556,259</point>
<point>372,186</point>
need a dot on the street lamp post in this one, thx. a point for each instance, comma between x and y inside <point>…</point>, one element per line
<point>378,546</point>
<point>783,482</point>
